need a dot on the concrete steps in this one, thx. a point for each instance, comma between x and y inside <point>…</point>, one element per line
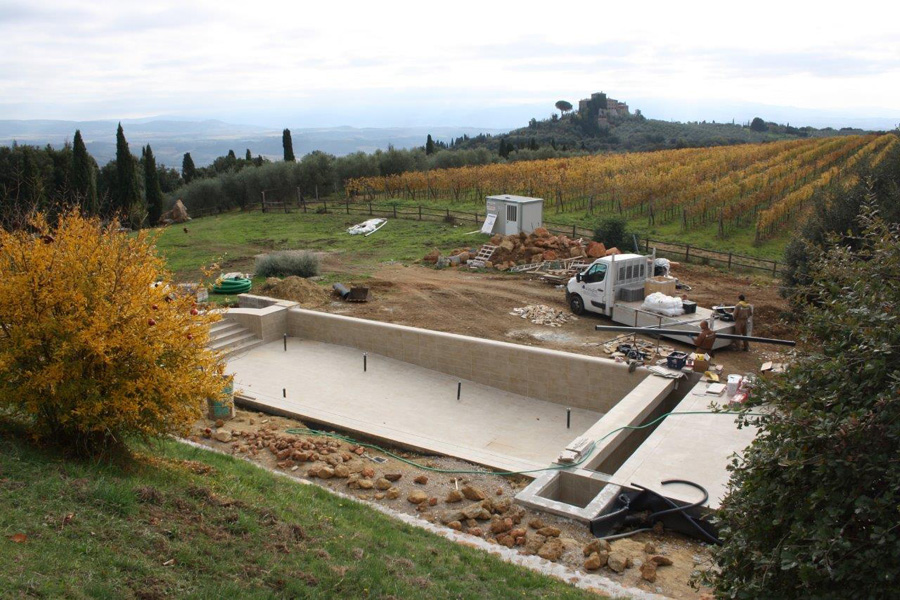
<point>231,338</point>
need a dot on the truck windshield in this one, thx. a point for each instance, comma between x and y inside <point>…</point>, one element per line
<point>595,273</point>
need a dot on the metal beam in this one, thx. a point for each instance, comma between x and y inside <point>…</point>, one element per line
<point>653,332</point>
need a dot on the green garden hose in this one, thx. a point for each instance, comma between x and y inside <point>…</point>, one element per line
<point>232,286</point>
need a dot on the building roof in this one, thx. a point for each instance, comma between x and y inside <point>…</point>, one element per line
<point>516,199</point>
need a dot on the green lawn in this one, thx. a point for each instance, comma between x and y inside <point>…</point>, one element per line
<point>182,522</point>
<point>238,237</point>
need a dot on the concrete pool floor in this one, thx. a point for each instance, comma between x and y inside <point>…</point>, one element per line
<point>407,404</point>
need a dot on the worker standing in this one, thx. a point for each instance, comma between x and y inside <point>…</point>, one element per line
<point>742,313</point>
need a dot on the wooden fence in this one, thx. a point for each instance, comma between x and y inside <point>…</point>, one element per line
<point>682,252</point>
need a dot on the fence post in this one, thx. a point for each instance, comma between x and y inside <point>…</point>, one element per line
<point>729,260</point>
<point>448,214</point>
<point>573,231</point>
<point>395,211</point>
<point>264,201</point>
<point>687,251</point>
<point>420,212</point>
<point>774,268</point>
<point>348,206</point>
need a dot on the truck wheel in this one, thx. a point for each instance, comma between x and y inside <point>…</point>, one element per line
<point>576,304</point>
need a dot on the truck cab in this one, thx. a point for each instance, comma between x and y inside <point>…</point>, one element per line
<point>607,279</point>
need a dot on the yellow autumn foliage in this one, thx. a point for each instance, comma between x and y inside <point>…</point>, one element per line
<point>93,350</point>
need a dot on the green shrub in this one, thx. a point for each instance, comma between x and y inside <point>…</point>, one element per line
<point>613,233</point>
<point>289,262</point>
<point>811,510</point>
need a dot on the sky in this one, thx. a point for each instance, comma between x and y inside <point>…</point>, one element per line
<point>488,64</point>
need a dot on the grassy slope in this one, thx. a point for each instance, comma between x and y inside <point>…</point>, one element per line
<point>231,529</point>
<point>240,236</point>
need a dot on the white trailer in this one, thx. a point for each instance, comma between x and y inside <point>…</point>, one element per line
<point>613,286</point>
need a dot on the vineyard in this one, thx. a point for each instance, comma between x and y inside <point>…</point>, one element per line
<point>765,186</point>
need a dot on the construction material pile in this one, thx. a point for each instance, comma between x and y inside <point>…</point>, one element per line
<point>533,248</point>
<point>541,314</point>
<point>297,289</point>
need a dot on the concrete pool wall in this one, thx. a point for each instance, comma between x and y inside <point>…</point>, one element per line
<point>573,380</point>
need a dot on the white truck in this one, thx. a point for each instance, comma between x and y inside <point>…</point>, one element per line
<point>613,286</point>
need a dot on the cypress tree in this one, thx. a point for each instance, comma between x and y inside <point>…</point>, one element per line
<point>188,170</point>
<point>288,146</point>
<point>248,157</point>
<point>429,145</point>
<point>84,177</point>
<point>151,187</point>
<point>126,195</point>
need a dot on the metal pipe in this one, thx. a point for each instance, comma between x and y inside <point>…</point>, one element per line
<point>568,418</point>
<point>458,389</point>
<point>651,331</point>
<point>365,358</point>
<point>285,342</point>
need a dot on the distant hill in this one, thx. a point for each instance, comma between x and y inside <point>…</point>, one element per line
<point>602,124</point>
<point>207,140</point>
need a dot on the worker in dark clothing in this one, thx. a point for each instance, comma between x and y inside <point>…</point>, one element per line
<point>705,339</point>
<point>742,313</point>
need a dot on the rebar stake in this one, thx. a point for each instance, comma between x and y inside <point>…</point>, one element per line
<point>568,418</point>
<point>458,389</point>
<point>284,392</point>
<point>285,342</point>
<point>365,358</point>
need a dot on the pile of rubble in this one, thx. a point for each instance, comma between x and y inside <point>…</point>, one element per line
<point>541,314</point>
<point>524,249</point>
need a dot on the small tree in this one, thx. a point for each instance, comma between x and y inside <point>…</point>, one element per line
<point>188,170</point>
<point>563,107</point>
<point>758,124</point>
<point>127,193</point>
<point>288,146</point>
<point>152,189</point>
<point>84,177</point>
<point>613,233</point>
<point>812,506</point>
<point>429,146</point>
<point>92,351</point>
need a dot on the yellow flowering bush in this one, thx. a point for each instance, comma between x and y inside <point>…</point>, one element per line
<point>95,345</point>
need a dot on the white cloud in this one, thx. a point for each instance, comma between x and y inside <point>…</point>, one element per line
<point>115,59</point>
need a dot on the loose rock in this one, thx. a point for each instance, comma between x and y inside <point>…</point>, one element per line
<point>417,497</point>
<point>454,496</point>
<point>421,480</point>
<point>382,483</point>
<point>618,562</point>
<point>648,571</point>
<point>473,493</point>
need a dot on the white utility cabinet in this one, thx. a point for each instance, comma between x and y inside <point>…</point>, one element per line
<point>514,214</point>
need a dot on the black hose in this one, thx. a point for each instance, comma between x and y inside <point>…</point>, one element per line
<point>687,506</point>
<point>680,509</point>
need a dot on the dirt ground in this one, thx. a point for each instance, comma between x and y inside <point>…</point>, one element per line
<point>261,438</point>
<point>478,304</point>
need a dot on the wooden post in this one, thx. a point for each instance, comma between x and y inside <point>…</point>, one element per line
<point>264,201</point>
<point>420,212</point>
<point>573,232</point>
<point>729,260</point>
<point>348,206</point>
<point>687,251</point>
<point>317,193</point>
<point>774,268</point>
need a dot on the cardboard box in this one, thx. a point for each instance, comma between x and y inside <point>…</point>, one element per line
<point>701,365</point>
<point>665,285</point>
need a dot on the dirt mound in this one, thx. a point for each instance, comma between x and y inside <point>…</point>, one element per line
<point>296,289</point>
